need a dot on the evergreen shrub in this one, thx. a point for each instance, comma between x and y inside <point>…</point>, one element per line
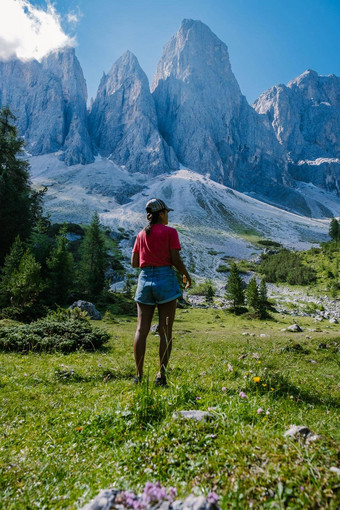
<point>268,242</point>
<point>286,266</point>
<point>48,335</point>
<point>118,303</point>
<point>25,314</point>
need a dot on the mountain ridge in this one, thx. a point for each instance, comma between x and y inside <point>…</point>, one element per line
<point>193,116</point>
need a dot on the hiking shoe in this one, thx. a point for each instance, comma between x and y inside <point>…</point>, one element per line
<point>137,379</point>
<point>160,380</point>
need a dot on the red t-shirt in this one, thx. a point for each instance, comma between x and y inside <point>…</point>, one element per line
<point>154,249</point>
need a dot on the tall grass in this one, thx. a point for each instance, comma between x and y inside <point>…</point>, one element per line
<point>75,423</point>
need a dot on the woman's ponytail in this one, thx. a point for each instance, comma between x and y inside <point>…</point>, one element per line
<point>152,218</point>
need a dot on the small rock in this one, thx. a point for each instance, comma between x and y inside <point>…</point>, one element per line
<point>194,503</point>
<point>242,356</point>
<point>283,329</point>
<point>103,501</point>
<point>245,333</point>
<point>263,335</point>
<point>194,415</point>
<point>333,320</point>
<point>313,361</point>
<point>154,328</point>
<point>301,432</point>
<point>87,307</point>
<point>335,470</point>
<point>295,328</point>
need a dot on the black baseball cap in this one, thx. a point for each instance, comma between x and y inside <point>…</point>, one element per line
<point>156,204</point>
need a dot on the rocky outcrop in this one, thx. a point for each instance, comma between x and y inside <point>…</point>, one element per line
<point>205,118</point>
<point>89,308</point>
<point>305,116</point>
<point>123,121</point>
<point>49,100</point>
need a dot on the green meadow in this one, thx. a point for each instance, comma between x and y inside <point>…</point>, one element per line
<point>72,424</point>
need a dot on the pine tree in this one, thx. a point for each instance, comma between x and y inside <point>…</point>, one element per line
<point>262,299</point>
<point>25,284</point>
<point>93,259</point>
<point>263,291</point>
<point>61,270</point>
<point>253,297</point>
<point>334,229</point>
<point>19,204</point>
<point>234,287</point>
<point>12,262</point>
<point>209,298</point>
<point>40,243</point>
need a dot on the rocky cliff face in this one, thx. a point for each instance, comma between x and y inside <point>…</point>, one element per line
<point>196,116</point>
<point>49,100</point>
<point>205,118</point>
<point>123,121</point>
<point>305,116</point>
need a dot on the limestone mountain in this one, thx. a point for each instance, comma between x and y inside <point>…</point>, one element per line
<point>305,116</point>
<point>203,115</point>
<point>49,100</point>
<point>284,150</point>
<point>123,121</point>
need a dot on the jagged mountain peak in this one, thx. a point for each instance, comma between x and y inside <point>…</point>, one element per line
<point>194,53</point>
<point>123,120</point>
<point>125,68</point>
<point>195,27</point>
<point>304,115</point>
<point>196,30</point>
<point>203,115</point>
<point>128,60</point>
<point>318,88</point>
<point>48,98</point>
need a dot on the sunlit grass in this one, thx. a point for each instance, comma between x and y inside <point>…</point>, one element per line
<point>73,424</point>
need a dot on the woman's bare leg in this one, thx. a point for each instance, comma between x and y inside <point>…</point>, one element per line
<point>145,314</point>
<point>166,313</point>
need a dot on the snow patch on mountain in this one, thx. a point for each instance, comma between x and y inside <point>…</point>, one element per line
<point>305,116</point>
<point>203,115</point>
<point>214,221</point>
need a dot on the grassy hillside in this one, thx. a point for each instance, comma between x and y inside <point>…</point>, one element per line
<point>73,424</point>
<point>318,268</point>
<point>326,263</point>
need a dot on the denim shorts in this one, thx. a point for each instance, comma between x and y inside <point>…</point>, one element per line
<point>157,285</point>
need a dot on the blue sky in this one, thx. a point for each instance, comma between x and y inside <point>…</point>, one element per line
<point>269,41</point>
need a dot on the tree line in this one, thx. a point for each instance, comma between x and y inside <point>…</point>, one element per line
<point>38,269</point>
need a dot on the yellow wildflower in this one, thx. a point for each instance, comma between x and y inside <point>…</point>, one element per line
<point>256,379</point>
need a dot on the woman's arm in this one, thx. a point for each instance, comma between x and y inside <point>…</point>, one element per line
<point>135,259</point>
<point>178,263</point>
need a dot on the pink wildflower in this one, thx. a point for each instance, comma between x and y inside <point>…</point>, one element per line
<point>172,494</point>
<point>224,388</point>
<point>212,497</point>
<point>260,410</point>
<point>242,394</point>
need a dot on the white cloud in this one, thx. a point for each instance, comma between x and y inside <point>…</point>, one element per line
<point>73,17</point>
<point>30,32</point>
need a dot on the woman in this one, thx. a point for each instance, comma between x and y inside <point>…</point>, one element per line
<point>155,251</point>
